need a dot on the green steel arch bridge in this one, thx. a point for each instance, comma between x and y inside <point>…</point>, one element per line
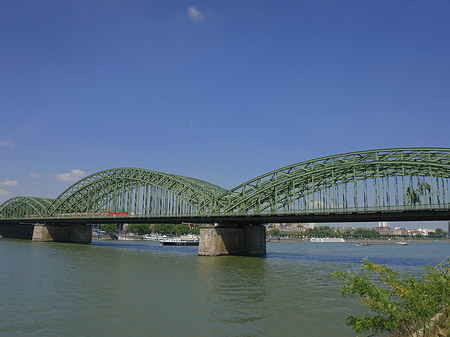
<point>377,185</point>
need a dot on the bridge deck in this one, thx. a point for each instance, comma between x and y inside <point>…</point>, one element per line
<point>434,214</point>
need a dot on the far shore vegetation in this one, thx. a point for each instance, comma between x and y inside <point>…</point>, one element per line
<point>164,229</point>
<point>357,233</point>
<point>318,231</point>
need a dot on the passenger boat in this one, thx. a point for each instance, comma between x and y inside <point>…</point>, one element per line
<point>184,240</point>
<point>153,237</point>
<point>128,237</point>
<point>327,240</point>
<point>179,242</point>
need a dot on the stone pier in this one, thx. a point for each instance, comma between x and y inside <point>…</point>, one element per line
<point>75,233</point>
<point>221,239</point>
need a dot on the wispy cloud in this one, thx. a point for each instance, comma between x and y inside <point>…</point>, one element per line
<point>71,176</point>
<point>6,143</point>
<point>35,175</point>
<point>194,14</point>
<point>9,183</point>
<point>4,192</point>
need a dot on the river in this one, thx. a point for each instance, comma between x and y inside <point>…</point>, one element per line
<point>112,288</point>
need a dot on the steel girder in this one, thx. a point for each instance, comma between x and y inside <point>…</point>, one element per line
<point>367,179</point>
<point>22,207</point>
<point>137,191</point>
<point>375,179</point>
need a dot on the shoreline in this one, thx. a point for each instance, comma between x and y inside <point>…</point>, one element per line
<point>287,239</point>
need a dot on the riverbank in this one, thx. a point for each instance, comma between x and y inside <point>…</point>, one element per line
<point>291,239</point>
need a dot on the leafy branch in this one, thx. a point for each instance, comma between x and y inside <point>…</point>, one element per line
<point>400,304</point>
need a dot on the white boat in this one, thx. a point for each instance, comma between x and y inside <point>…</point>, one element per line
<point>125,237</point>
<point>179,242</point>
<point>327,240</point>
<point>153,237</point>
<point>184,240</point>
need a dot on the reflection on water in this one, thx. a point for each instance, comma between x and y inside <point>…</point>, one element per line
<point>233,288</point>
<point>143,288</point>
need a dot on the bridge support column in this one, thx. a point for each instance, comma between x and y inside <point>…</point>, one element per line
<point>244,240</point>
<point>75,233</point>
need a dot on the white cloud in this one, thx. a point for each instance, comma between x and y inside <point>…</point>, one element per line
<point>9,183</point>
<point>194,14</point>
<point>73,175</point>
<point>35,175</point>
<point>4,192</point>
<point>6,143</point>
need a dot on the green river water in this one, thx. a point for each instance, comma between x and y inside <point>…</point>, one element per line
<point>112,288</point>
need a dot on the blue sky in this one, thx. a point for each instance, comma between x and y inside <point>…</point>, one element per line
<point>218,90</point>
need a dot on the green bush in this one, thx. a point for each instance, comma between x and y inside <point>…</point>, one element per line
<point>138,228</point>
<point>108,228</point>
<point>400,305</point>
<point>275,232</point>
<point>171,229</point>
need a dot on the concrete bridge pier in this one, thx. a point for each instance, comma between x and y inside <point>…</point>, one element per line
<point>226,239</point>
<point>75,233</point>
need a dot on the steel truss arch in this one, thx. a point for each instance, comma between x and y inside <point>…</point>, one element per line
<point>138,191</point>
<point>367,179</point>
<point>408,178</point>
<point>23,207</point>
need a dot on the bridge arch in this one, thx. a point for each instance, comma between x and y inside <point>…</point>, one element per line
<point>378,179</point>
<point>23,207</point>
<point>139,192</point>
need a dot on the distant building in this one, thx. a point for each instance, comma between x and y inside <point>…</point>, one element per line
<point>285,228</point>
<point>384,230</point>
<point>310,225</point>
<point>383,224</point>
<point>298,227</point>
<point>426,231</point>
<point>400,231</point>
<point>413,232</point>
<point>289,228</point>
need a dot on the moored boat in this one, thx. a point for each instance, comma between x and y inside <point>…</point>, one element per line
<point>327,240</point>
<point>179,242</point>
<point>129,237</point>
<point>153,237</point>
<point>184,240</point>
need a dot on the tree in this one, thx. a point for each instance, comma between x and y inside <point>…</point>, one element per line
<point>439,233</point>
<point>181,229</point>
<point>164,229</point>
<point>403,306</point>
<point>138,228</point>
<point>195,230</point>
<point>275,232</point>
<point>366,233</point>
<point>321,231</point>
<point>108,228</point>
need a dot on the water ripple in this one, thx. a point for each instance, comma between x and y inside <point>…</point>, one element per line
<point>395,261</point>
